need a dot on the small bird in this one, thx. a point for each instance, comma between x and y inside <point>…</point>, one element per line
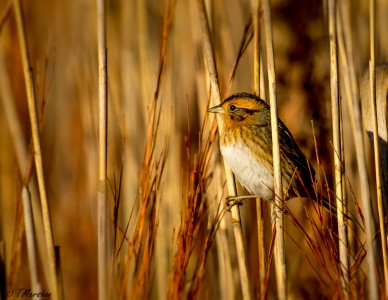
<point>246,146</point>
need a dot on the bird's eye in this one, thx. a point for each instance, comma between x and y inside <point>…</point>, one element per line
<point>232,108</point>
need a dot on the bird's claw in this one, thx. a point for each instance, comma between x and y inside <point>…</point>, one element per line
<point>232,201</point>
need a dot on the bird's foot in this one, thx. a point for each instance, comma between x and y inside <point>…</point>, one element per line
<point>237,200</point>
<point>232,201</point>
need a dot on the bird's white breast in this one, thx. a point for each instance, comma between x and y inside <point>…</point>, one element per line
<point>250,171</point>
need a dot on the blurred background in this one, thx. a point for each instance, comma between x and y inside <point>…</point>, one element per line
<point>62,45</point>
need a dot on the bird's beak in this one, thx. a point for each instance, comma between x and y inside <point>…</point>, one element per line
<point>216,109</point>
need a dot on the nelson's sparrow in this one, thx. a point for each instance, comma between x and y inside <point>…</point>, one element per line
<point>246,146</point>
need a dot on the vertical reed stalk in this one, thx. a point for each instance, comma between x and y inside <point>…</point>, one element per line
<point>7,9</point>
<point>226,286</point>
<point>23,158</point>
<point>256,89</point>
<point>61,292</point>
<point>31,100</point>
<point>235,213</point>
<point>10,113</point>
<point>280,256</point>
<point>226,280</point>
<point>102,174</point>
<point>338,169</point>
<point>372,70</point>
<point>351,87</point>
<point>30,238</point>
<point>256,46</point>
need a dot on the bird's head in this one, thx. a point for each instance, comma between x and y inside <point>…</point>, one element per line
<point>242,109</point>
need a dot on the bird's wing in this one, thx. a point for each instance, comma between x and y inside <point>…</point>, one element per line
<point>292,151</point>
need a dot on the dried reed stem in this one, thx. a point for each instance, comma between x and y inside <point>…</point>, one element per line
<point>372,70</point>
<point>280,256</point>
<point>31,100</point>
<point>235,213</point>
<point>337,138</point>
<point>102,174</point>
<point>61,291</point>
<point>260,244</point>
<point>352,89</point>
<point>11,115</point>
<point>5,14</point>
<point>23,157</point>
<point>256,46</point>
<point>256,88</point>
<point>30,238</point>
<point>226,286</point>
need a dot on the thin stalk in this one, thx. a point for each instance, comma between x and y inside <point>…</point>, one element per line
<point>61,292</point>
<point>260,244</point>
<point>30,238</point>
<point>280,256</point>
<point>256,46</point>
<point>226,280</point>
<point>31,100</point>
<point>338,170</point>
<point>12,117</point>
<point>351,87</point>
<point>372,70</point>
<point>256,89</point>
<point>23,157</point>
<point>227,288</point>
<point>7,9</point>
<point>235,212</point>
<point>102,174</point>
